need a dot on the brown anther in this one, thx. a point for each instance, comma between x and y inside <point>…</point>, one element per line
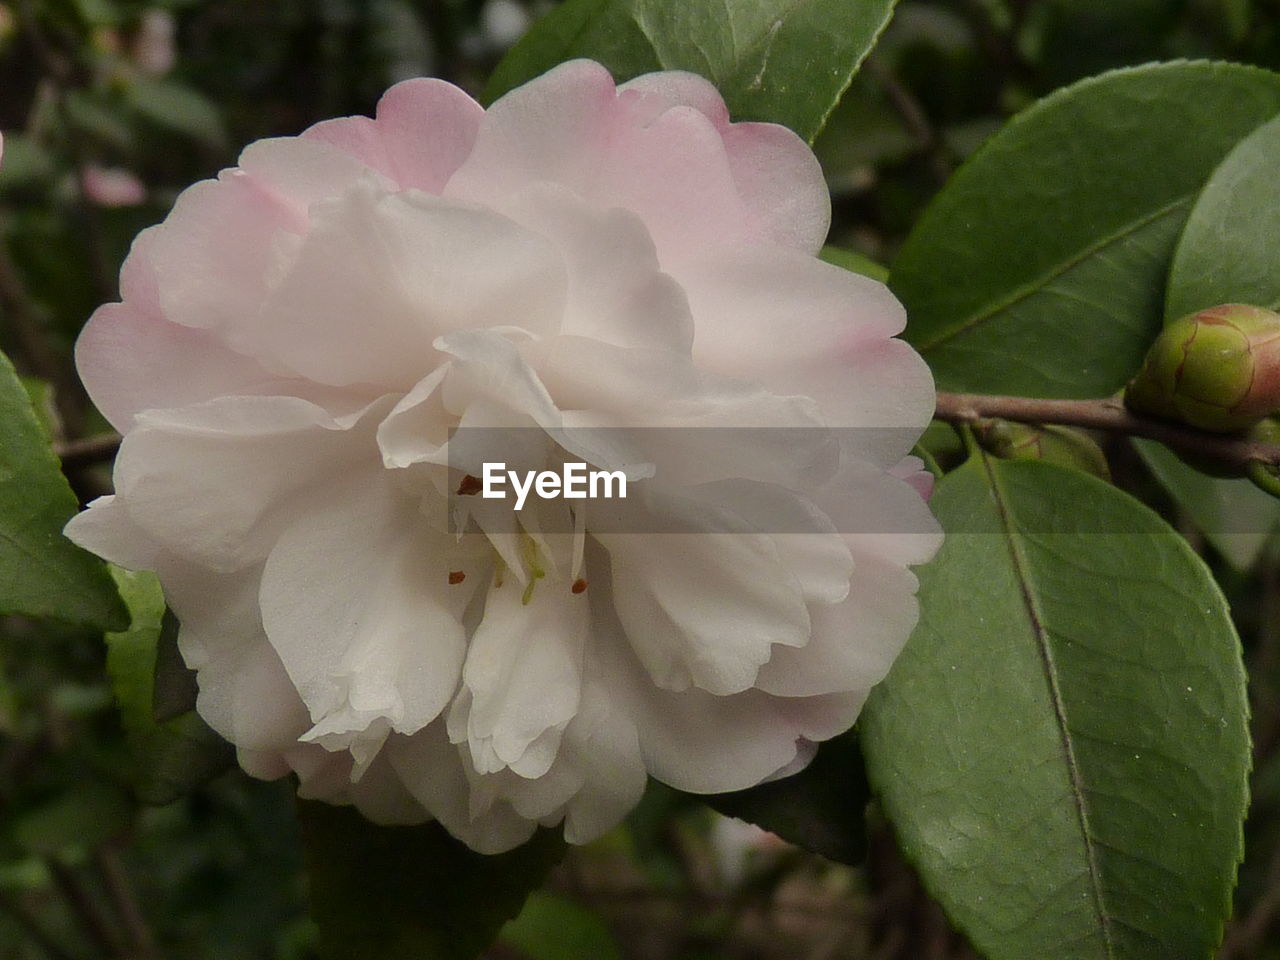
<point>469,486</point>
<point>456,577</point>
<point>579,585</point>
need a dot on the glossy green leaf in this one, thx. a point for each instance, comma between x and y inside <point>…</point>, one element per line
<point>1234,515</point>
<point>784,61</point>
<point>174,756</point>
<point>1040,268</point>
<point>821,808</point>
<point>1228,251</point>
<point>42,573</point>
<point>411,893</point>
<point>553,928</point>
<point>1062,747</point>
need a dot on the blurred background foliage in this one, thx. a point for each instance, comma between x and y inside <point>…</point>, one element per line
<point>109,108</point>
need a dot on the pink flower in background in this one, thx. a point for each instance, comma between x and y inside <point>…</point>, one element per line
<point>112,187</point>
<point>298,343</point>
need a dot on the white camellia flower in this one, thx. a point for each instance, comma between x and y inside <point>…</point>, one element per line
<point>306,366</point>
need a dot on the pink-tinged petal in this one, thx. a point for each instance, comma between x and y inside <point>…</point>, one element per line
<point>211,258</point>
<point>359,136</point>
<point>912,470</point>
<point>554,129</point>
<point>432,770</point>
<point>676,88</point>
<point>617,293</point>
<point>675,173</point>
<point>138,285</point>
<point>854,642</point>
<point>742,299</point>
<point>217,482</point>
<point>179,365</point>
<point>776,174</point>
<point>356,600</point>
<point>781,182</point>
<point>429,128</point>
<point>524,676</point>
<point>380,276</point>
<point>299,173</point>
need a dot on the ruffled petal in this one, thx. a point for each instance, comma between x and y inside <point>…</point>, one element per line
<point>853,643</point>
<point>380,276</point>
<point>180,365</point>
<point>523,676</point>
<point>431,768</point>
<point>704,609</point>
<point>356,600</point>
<point>217,482</point>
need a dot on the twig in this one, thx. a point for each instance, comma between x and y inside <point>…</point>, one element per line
<point>39,936</point>
<point>90,450</point>
<point>95,923</point>
<point>122,896</point>
<point>913,117</point>
<point>1245,935</point>
<point>1110,415</point>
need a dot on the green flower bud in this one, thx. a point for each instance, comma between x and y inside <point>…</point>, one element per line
<point>1218,369</point>
<point>1064,446</point>
<point>1265,476</point>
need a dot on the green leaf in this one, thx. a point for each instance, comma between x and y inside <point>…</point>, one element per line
<point>1234,515</point>
<point>1062,747</point>
<point>179,108</point>
<point>1040,268</point>
<point>553,928</point>
<point>821,808</point>
<point>82,817</point>
<point>1229,251</point>
<point>854,262</point>
<point>175,756</point>
<point>42,573</point>
<point>387,893</point>
<point>784,61</point>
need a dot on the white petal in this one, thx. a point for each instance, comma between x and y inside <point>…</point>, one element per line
<point>696,741</point>
<point>356,600</point>
<point>216,482</point>
<point>524,675</point>
<point>854,642</point>
<point>431,769</point>
<point>704,609</point>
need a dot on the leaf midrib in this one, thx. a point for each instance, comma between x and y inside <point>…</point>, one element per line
<point>1034,286</point>
<point>1031,600</point>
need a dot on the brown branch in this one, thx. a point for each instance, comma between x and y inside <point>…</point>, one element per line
<point>1111,416</point>
<point>90,450</point>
